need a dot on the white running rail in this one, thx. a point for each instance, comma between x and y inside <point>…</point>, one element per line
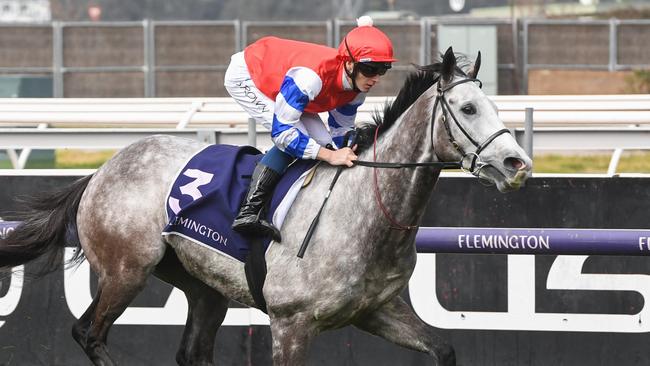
<point>574,122</point>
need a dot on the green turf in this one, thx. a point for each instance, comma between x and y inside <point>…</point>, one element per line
<point>630,162</point>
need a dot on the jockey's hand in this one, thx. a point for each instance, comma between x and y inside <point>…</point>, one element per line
<point>344,156</point>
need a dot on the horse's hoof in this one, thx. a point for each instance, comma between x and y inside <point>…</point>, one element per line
<point>182,360</point>
<point>446,355</point>
<point>79,335</point>
<point>98,354</point>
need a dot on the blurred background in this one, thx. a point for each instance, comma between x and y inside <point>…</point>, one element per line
<point>155,48</point>
<point>181,48</point>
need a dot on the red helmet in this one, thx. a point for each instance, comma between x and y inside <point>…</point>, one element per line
<point>366,43</point>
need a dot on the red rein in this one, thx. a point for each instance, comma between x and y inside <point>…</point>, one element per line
<point>394,223</point>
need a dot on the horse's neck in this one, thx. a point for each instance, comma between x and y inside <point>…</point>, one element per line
<point>404,192</point>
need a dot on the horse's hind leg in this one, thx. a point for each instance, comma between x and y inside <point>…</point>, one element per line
<point>120,280</point>
<point>396,322</point>
<point>80,327</point>
<point>114,293</point>
<point>207,309</point>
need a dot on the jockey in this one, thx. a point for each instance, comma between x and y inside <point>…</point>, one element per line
<point>284,84</point>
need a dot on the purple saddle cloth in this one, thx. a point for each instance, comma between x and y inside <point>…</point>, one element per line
<point>205,197</point>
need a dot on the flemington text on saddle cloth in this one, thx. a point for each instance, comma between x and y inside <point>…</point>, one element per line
<point>208,191</point>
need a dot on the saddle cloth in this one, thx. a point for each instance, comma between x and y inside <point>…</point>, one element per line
<point>208,191</point>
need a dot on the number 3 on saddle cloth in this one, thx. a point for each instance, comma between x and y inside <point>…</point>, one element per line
<point>208,191</point>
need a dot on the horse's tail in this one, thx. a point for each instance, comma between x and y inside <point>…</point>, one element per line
<point>49,223</point>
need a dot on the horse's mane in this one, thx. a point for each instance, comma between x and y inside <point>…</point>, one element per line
<point>416,84</point>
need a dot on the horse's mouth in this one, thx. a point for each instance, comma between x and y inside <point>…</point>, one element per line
<point>505,182</point>
<point>518,180</point>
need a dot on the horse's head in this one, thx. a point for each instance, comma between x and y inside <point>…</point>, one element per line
<point>467,128</point>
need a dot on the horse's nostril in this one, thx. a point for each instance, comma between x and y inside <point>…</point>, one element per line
<point>516,164</point>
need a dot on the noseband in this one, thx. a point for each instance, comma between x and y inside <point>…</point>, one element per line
<point>475,163</point>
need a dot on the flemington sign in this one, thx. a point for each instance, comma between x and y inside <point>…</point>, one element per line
<point>533,241</point>
<point>565,273</point>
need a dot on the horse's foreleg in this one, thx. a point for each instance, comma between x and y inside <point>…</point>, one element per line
<point>396,322</point>
<point>292,337</point>
<point>207,309</point>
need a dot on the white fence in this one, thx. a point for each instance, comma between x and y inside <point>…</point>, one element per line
<point>550,111</point>
<point>560,122</point>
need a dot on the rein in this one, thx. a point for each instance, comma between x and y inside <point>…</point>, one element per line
<point>476,164</point>
<point>433,164</point>
<point>475,167</point>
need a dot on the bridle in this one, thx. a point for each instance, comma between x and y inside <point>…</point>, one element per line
<point>476,164</point>
<point>474,159</point>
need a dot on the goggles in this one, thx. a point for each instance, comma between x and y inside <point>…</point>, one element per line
<point>372,69</point>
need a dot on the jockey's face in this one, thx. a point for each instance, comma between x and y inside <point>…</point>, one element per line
<point>366,78</point>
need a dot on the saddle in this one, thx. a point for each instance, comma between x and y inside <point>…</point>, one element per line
<point>205,198</point>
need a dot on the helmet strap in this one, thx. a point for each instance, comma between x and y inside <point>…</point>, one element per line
<point>355,70</point>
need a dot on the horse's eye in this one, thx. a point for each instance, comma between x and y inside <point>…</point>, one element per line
<point>469,109</point>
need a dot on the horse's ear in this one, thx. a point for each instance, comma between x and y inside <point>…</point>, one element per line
<point>448,65</point>
<point>477,65</point>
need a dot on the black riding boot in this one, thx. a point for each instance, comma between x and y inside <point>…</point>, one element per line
<point>250,220</point>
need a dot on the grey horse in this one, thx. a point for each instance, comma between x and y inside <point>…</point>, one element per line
<point>360,257</point>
